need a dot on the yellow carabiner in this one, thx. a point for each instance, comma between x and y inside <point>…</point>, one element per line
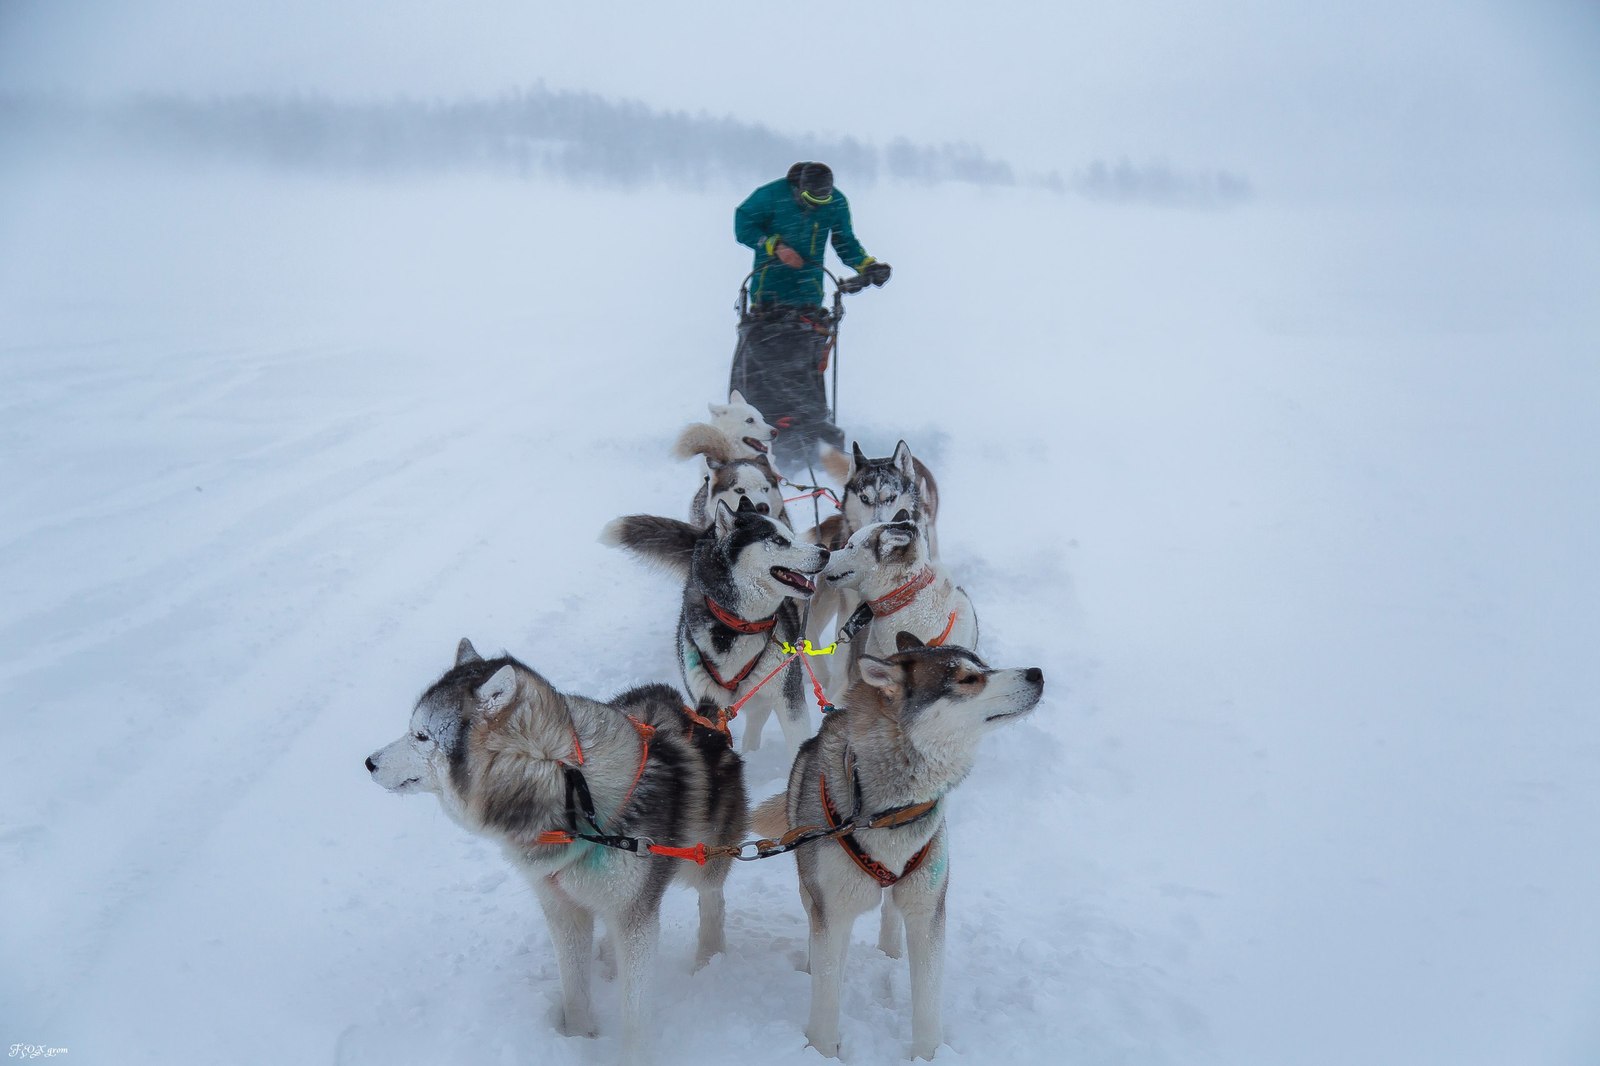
<point>805,646</point>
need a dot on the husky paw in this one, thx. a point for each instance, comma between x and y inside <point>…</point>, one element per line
<point>827,1047</point>
<point>924,1051</point>
<point>577,1025</point>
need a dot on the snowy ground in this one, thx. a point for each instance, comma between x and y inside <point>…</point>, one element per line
<point>1295,508</point>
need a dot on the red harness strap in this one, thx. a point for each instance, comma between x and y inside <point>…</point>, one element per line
<point>901,598</point>
<point>732,685</point>
<point>719,726</point>
<point>737,624</point>
<point>646,733</point>
<point>942,637</point>
<point>852,847</point>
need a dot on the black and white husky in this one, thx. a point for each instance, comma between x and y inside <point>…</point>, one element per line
<point>742,578</point>
<point>905,735</point>
<point>515,760</point>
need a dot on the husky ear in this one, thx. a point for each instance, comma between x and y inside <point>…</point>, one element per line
<point>714,465</point>
<point>496,694</point>
<point>717,409</point>
<point>904,641</point>
<point>735,396</point>
<point>902,460</point>
<point>745,504</point>
<point>901,515</point>
<point>879,674</point>
<point>466,653</point>
<point>857,460</point>
<point>724,519</point>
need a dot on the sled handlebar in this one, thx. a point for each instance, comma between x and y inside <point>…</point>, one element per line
<point>841,286</point>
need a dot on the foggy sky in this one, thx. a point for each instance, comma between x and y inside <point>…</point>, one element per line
<point>1422,99</point>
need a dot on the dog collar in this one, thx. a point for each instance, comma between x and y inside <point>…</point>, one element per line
<point>901,598</point>
<point>737,624</point>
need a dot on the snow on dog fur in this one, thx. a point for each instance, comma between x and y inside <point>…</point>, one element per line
<point>503,751</point>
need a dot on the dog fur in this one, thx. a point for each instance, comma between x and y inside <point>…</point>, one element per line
<point>752,568</point>
<point>729,481</point>
<point>910,729</point>
<point>497,744</point>
<point>736,431</point>
<point>884,557</point>
<point>875,490</point>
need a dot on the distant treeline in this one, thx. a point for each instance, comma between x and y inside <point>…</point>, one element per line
<point>575,136</point>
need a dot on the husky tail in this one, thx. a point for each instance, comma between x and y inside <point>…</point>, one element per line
<point>771,818</point>
<point>666,542</point>
<point>702,438</point>
<point>836,463</point>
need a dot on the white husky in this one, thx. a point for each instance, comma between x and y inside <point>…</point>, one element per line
<point>890,566</point>
<point>736,431</point>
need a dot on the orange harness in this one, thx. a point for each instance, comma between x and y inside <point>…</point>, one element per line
<point>646,733</point>
<point>738,625</point>
<point>735,623</point>
<point>901,598</point>
<point>858,854</point>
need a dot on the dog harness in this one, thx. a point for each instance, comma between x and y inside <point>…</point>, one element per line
<point>738,625</point>
<point>852,847</point>
<point>579,799</point>
<point>900,598</point>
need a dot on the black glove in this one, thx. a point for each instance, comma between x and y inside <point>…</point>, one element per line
<point>877,273</point>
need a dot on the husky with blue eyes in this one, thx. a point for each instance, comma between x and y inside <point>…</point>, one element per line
<point>544,773</point>
<point>905,735</point>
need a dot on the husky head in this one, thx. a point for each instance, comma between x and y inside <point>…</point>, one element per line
<point>886,550</point>
<point>762,559</point>
<point>738,421</point>
<point>474,734</point>
<point>745,478</point>
<point>877,488</point>
<point>945,699</point>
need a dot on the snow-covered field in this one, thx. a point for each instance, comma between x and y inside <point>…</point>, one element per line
<point>1295,507</point>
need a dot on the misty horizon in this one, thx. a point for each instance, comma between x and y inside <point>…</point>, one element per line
<point>576,136</point>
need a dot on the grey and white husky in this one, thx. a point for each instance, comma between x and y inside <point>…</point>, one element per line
<point>736,431</point>
<point>875,490</point>
<point>890,566</point>
<point>904,737</point>
<point>729,481</point>
<point>515,760</point>
<point>742,578</point>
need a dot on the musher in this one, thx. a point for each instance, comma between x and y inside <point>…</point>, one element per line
<point>784,336</point>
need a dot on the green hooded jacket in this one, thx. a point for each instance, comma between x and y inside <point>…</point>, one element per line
<point>772,214</point>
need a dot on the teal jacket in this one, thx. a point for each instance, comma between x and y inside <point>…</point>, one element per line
<point>772,214</point>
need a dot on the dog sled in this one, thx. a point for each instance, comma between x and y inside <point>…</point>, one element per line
<point>780,365</point>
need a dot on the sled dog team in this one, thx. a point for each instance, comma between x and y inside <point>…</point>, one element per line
<point>601,804</point>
